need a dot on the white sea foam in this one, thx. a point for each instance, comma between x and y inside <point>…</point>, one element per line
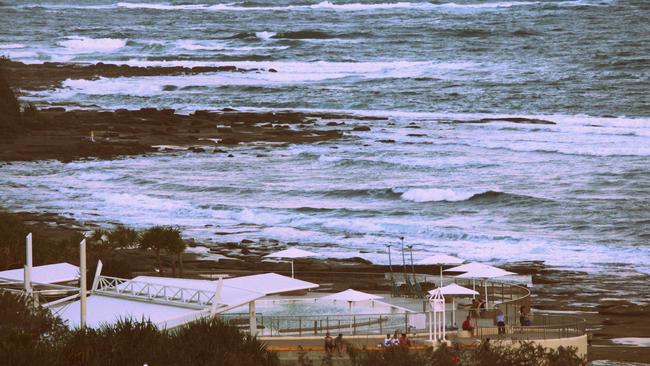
<point>286,73</point>
<point>11,46</point>
<point>89,45</point>
<point>632,341</point>
<point>436,194</point>
<point>265,36</point>
<point>160,6</point>
<point>195,45</point>
<point>326,6</point>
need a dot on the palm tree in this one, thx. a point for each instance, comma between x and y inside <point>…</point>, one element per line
<point>154,238</point>
<point>176,247</point>
<point>164,238</point>
<point>123,237</point>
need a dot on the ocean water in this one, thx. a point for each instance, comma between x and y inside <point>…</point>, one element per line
<point>574,194</point>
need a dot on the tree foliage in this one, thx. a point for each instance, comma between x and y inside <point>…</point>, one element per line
<point>32,336</point>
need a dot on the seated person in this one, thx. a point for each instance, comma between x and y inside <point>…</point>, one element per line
<point>388,341</point>
<point>329,343</point>
<point>468,325</point>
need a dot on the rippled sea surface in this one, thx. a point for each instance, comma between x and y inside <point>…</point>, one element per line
<point>575,194</point>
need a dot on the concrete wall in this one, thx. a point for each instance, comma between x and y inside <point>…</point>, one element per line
<point>580,343</point>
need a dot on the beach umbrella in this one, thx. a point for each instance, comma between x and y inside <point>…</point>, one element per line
<point>440,260</point>
<point>485,274</point>
<point>292,254</point>
<point>470,267</point>
<point>351,296</point>
<point>453,290</point>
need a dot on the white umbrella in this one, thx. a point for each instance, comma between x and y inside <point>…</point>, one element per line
<point>291,254</point>
<point>351,296</point>
<point>484,274</point>
<point>440,260</point>
<point>453,290</point>
<point>470,267</point>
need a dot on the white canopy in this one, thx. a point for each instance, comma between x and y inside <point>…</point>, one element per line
<point>47,274</point>
<point>231,296</point>
<point>108,310</point>
<point>453,289</point>
<point>440,259</point>
<point>469,267</point>
<point>485,273</point>
<point>291,254</point>
<point>269,283</point>
<point>351,296</point>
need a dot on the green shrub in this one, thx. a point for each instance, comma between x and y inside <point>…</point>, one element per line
<point>32,336</point>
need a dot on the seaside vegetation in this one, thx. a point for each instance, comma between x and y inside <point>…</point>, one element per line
<point>105,245</point>
<point>524,354</point>
<point>33,336</point>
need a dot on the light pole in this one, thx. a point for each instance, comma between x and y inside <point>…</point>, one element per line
<point>390,266</point>
<point>410,248</point>
<point>406,279</point>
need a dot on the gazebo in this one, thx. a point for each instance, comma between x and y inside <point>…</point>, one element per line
<point>292,254</point>
<point>440,260</point>
<point>485,274</point>
<point>453,290</point>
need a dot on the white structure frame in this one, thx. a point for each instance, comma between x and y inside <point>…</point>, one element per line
<point>437,330</point>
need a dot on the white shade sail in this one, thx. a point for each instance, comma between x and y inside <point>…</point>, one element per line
<point>486,273</point>
<point>292,253</point>
<point>269,283</point>
<point>470,267</point>
<point>49,273</point>
<point>440,259</point>
<point>453,290</point>
<point>351,296</point>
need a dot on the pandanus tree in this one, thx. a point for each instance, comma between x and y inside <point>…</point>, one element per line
<point>12,241</point>
<point>123,237</point>
<point>165,238</point>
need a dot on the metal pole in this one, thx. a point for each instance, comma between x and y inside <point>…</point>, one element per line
<point>292,269</point>
<point>82,284</point>
<point>390,266</point>
<point>412,266</point>
<point>27,269</point>
<point>252,318</point>
<point>404,262</point>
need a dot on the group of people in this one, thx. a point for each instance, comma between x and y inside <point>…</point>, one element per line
<point>478,307</point>
<point>402,342</point>
<point>332,344</point>
<point>499,319</point>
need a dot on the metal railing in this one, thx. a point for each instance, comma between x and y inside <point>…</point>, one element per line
<point>172,295</point>
<point>542,327</point>
<point>317,325</point>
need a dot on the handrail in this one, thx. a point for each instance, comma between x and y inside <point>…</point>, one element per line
<point>152,292</point>
<point>544,327</point>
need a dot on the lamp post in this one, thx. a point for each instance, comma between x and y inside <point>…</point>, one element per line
<point>406,280</point>
<point>390,267</point>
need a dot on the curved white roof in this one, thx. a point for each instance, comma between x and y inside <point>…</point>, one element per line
<point>351,295</point>
<point>269,283</point>
<point>440,259</point>
<point>453,289</point>
<point>108,310</point>
<point>49,273</point>
<point>292,253</point>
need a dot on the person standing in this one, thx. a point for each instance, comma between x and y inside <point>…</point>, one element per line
<point>338,343</point>
<point>329,343</point>
<point>500,319</point>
